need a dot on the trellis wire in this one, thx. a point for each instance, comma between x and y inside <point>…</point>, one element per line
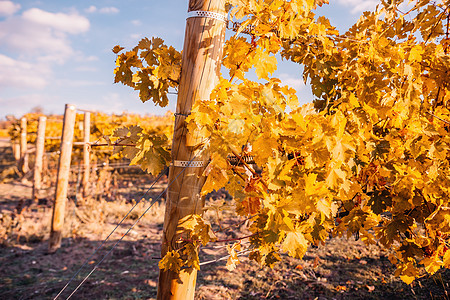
<point>140,217</point>
<point>111,166</point>
<point>131,227</point>
<point>104,241</point>
<point>240,253</point>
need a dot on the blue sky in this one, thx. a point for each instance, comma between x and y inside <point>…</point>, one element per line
<point>56,52</point>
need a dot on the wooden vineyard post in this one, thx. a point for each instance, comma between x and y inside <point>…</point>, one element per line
<point>86,162</point>
<point>201,61</point>
<point>40,141</point>
<point>16,149</point>
<point>23,162</point>
<point>62,180</point>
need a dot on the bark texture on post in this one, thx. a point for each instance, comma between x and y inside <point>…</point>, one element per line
<point>86,162</point>
<point>40,141</point>
<point>201,61</point>
<point>23,163</point>
<point>62,180</point>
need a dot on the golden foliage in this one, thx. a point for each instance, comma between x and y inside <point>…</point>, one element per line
<point>375,150</point>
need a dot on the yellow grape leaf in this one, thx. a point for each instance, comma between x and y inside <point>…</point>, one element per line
<point>295,244</point>
<point>236,126</point>
<point>121,132</point>
<point>299,120</point>
<point>407,278</point>
<point>191,254</point>
<point>310,182</point>
<point>292,99</point>
<point>334,177</point>
<point>251,205</point>
<point>171,261</point>
<point>233,259</point>
<point>198,228</point>
<point>288,221</point>
<point>416,54</point>
<point>217,178</point>
<point>263,148</point>
<point>189,222</point>
<point>298,204</point>
<point>145,43</point>
<point>264,63</point>
<point>286,169</point>
<point>407,271</point>
<point>324,207</point>
<point>117,49</point>
<point>432,264</point>
<point>321,2</point>
<point>446,259</point>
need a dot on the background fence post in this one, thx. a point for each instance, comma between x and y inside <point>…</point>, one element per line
<point>62,180</point>
<point>40,141</point>
<point>201,61</point>
<point>23,162</point>
<point>86,148</point>
<point>15,144</point>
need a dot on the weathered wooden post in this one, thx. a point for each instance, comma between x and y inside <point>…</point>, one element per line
<point>16,149</point>
<point>62,180</point>
<point>40,141</point>
<point>201,61</point>
<point>86,146</point>
<point>23,163</point>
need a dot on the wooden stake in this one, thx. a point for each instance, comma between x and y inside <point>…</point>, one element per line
<point>40,141</point>
<point>201,61</point>
<point>23,163</point>
<point>16,149</point>
<point>86,140</point>
<point>62,180</point>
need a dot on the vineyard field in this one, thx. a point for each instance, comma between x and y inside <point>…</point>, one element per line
<point>342,269</point>
<point>330,183</point>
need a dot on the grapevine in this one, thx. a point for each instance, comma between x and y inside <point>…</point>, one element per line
<point>370,156</point>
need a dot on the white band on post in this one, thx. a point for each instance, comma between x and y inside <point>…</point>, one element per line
<point>206,14</point>
<point>192,164</point>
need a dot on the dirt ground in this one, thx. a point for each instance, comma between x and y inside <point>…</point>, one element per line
<point>341,269</point>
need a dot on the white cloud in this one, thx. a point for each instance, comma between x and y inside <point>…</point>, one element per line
<point>109,10</point>
<point>22,104</point>
<point>293,82</point>
<point>91,9</point>
<point>359,5</point>
<point>21,74</point>
<point>30,40</point>
<point>36,40</point>
<point>70,23</point>
<point>41,35</point>
<point>104,10</point>
<point>8,8</point>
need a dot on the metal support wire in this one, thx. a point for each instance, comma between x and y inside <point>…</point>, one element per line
<point>240,253</point>
<point>113,247</point>
<point>104,241</point>
<point>129,229</point>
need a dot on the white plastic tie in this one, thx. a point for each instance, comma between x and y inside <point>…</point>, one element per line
<point>206,14</point>
<point>192,164</point>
